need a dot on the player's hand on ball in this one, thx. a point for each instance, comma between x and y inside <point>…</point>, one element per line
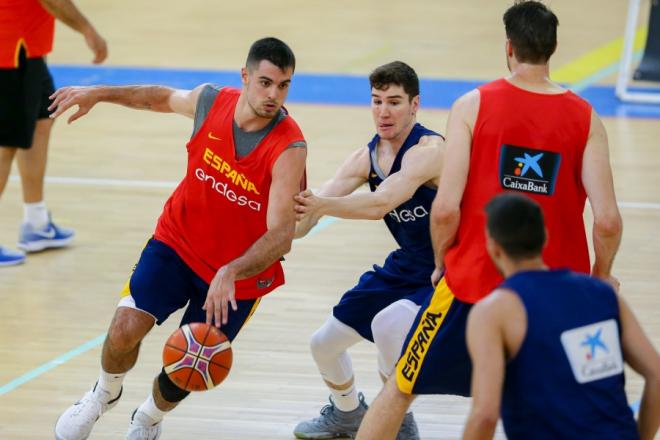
<point>306,204</point>
<point>66,97</point>
<point>221,293</point>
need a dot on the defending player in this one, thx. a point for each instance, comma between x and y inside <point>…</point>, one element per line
<point>222,232</point>
<point>521,133</point>
<point>548,346</point>
<point>401,164</point>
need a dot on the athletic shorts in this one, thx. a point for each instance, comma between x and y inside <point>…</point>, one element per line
<point>24,93</point>
<point>435,357</point>
<point>162,284</point>
<point>376,290</point>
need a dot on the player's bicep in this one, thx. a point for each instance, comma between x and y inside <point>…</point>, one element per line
<point>286,177</point>
<point>596,170</point>
<point>456,161</point>
<point>349,176</point>
<point>420,165</point>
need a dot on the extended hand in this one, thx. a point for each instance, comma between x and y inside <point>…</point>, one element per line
<point>67,97</point>
<point>307,204</point>
<point>221,293</point>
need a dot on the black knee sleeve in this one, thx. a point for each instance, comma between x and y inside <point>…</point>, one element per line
<point>169,390</point>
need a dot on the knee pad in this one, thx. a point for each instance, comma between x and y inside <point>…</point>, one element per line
<point>169,390</point>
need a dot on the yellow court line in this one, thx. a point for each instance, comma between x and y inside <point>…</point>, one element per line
<point>592,62</point>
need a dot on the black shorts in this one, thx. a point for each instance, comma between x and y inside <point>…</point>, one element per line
<point>24,93</point>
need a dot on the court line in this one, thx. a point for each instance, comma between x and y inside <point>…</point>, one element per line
<point>59,360</point>
<point>597,59</point>
<point>170,184</point>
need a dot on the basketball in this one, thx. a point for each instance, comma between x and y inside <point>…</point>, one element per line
<point>197,357</point>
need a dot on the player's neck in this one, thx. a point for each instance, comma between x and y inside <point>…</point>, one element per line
<point>533,77</point>
<point>511,267</point>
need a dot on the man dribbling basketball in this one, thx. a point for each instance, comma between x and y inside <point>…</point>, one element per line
<point>221,233</point>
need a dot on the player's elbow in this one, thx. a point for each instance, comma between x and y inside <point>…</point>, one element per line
<point>484,420</point>
<point>443,214</point>
<point>608,225</point>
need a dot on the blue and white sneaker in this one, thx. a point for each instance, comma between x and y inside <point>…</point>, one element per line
<point>50,236</point>
<point>10,258</point>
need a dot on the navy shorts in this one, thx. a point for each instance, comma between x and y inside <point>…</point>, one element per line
<point>376,290</point>
<point>435,358</point>
<point>24,98</point>
<point>162,284</point>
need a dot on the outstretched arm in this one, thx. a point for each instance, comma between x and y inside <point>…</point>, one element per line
<point>446,213</point>
<point>420,165</point>
<point>350,176</point>
<point>598,183</point>
<point>154,98</point>
<point>281,219</point>
<point>67,12</point>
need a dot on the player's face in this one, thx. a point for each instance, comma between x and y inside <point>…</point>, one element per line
<point>267,87</point>
<point>393,111</point>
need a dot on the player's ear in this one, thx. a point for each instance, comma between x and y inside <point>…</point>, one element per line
<point>244,76</point>
<point>415,104</point>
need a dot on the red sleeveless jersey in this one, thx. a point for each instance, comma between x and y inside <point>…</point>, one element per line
<point>219,209</point>
<point>532,143</point>
<point>24,23</point>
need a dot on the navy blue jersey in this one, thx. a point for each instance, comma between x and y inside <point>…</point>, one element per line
<point>567,380</point>
<point>408,222</point>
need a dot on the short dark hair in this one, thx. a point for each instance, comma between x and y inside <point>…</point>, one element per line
<point>532,29</point>
<point>515,222</point>
<point>398,73</point>
<point>271,49</point>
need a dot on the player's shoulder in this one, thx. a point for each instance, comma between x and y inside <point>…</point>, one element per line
<point>498,302</point>
<point>469,100</point>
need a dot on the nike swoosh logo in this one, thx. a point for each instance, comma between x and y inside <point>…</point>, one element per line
<point>213,137</point>
<point>46,234</point>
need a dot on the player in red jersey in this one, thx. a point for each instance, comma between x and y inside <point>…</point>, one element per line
<point>27,29</point>
<point>222,232</point>
<point>522,133</point>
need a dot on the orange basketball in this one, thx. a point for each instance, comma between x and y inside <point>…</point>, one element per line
<point>197,357</point>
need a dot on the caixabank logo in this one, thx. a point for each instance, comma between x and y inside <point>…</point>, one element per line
<point>529,170</point>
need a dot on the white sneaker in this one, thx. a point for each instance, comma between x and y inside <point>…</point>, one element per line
<point>77,421</point>
<point>142,427</point>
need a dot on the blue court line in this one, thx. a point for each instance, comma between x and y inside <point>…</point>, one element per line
<point>10,386</point>
<point>321,225</point>
<point>338,89</point>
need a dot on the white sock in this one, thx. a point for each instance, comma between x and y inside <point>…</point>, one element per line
<point>110,383</point>
<point>346,400</point>
<point>150,409</point>
<point>36,214</point>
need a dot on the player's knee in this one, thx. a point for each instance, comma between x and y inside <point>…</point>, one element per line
<point>125,334</point>
<point>169,390</point>
<point>326,343</point>
<point>317,345</point>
